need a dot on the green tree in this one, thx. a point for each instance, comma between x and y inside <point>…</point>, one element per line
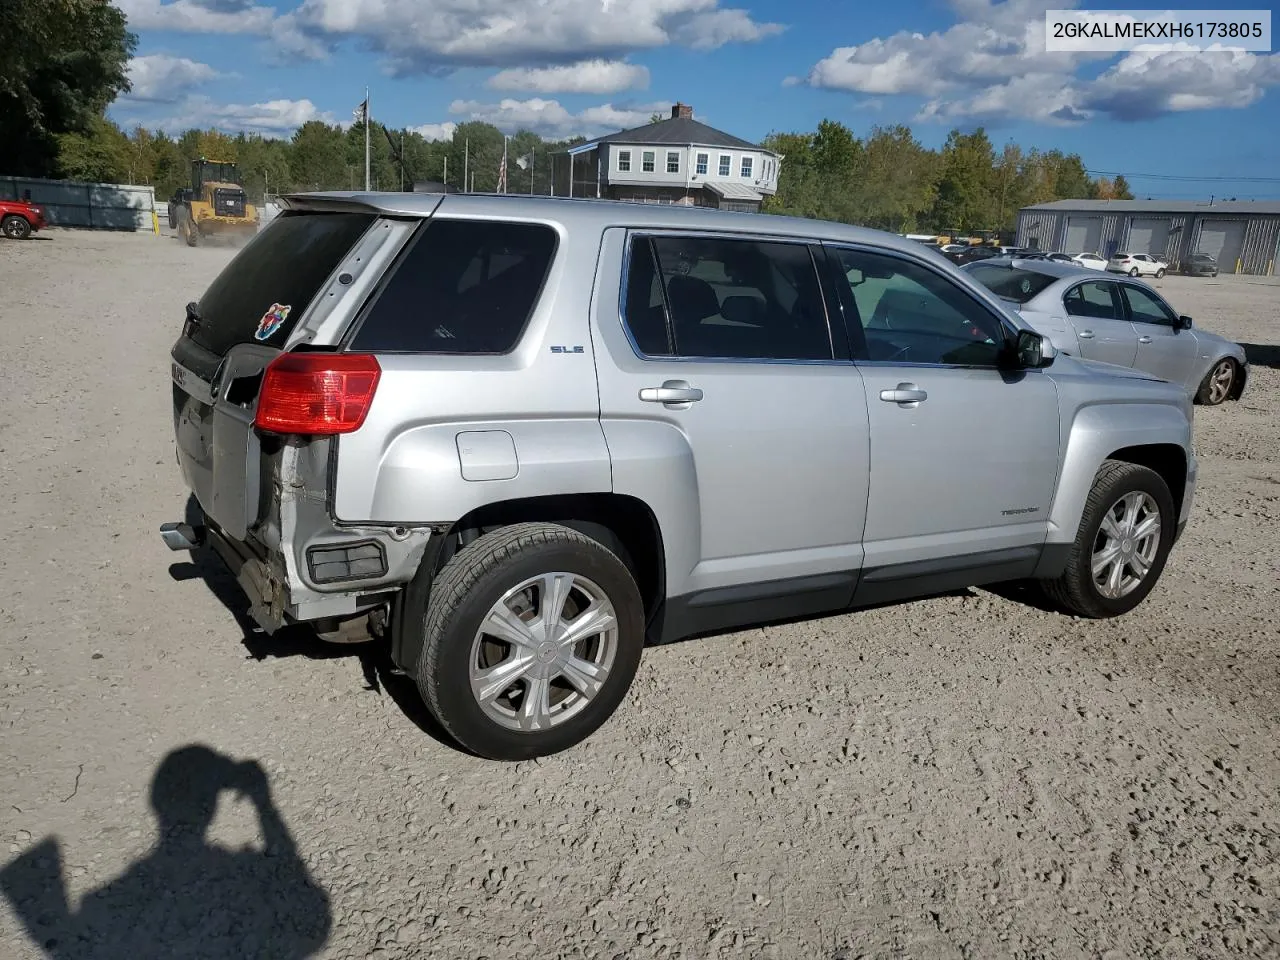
<point>965,200</point>
<point>317,158</point>
<point>99,154</point>
<point>1120,188</point>
<point>61,63</point>
<point>477,146</point>
<point>896,180</point>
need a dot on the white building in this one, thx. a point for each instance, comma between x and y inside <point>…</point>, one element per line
<point>677,160</point>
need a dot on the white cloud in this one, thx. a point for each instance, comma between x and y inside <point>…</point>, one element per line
<point>419,37</point>
<point>1144,85</point>
<point>436,131</point>
<point>193,16</point>
<point>549,119</point>
<point>716,28</point>
<point>992,66</point>
<point>587,76</point>
<point>273,118</point>
<point>163,79</point>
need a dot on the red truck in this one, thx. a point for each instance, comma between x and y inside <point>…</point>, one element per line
<point>20,218</point>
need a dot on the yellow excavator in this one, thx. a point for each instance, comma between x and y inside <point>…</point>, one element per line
<point>214,205</point>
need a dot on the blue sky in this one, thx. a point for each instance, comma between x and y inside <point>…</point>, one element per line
<point>563,67</point>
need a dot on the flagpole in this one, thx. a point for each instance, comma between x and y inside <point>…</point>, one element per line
<point>533,165</point>
<point>466,164</point>
<point>366,139</point>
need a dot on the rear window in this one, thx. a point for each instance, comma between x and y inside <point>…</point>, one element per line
<point>464,286</point>
<point>1019,286</point>
<point>261,293</point>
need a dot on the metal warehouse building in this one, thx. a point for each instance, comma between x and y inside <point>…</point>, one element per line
<point>1242,236</point>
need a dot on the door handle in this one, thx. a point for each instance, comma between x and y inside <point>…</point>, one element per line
<point>671,392</point>
<point>905,393</point>
<point>1085,334</point>
<point>1144,339</point>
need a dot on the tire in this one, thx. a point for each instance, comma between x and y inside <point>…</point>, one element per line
<point>15,227</point>
<point>484,578</point>
<point>1160,274</point>
<point>1133,272</point>
<point>1218,383</point>
<point>1077,591</point>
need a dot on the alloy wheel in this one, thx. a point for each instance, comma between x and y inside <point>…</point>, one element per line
<point>1126,545</point>
<point>543,652</point>
<point>1221,380</point>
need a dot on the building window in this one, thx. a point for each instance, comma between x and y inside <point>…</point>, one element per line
<point>646,161</point>
<point>624,160</point>
<point>746,166</point>
<point>726,164</point>
<point>673,162</point>
<point>701,168</point>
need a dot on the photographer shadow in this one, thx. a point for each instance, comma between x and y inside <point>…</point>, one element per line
<point>187,898</point>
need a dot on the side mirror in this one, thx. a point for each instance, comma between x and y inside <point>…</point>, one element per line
<point>1034,350</point>
<point>1185,322</point>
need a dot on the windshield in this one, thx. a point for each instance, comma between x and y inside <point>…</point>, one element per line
<point>1011,283</point>
<point>259,296</point>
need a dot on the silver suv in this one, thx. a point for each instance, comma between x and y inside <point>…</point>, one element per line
<point>521,437</point>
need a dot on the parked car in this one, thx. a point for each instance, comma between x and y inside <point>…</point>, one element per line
<point>518,437</point>
<point>19,219</point>
<point>1200,265</point>
<point>1125,322</point>
<point>1090,260</point>
<point>1137,265</point>
<point>973,254</point>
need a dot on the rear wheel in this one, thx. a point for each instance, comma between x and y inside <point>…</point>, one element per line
<point>1120,550</point>
<point>15,227</point>
<point>1217,383</point>
<point>533,634</point>
<point>1133,272</point>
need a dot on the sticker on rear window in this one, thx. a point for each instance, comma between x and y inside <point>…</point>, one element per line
<point>272,321</point>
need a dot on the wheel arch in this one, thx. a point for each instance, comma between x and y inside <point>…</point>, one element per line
<point>623,524</point>
<point>1152,435</point>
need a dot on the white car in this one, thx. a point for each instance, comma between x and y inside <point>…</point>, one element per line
<point>1090,260</point>
<point>1137,265</point>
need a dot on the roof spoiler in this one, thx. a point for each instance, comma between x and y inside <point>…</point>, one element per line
<point>347,202</point>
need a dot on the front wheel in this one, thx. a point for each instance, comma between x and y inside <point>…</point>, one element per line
<point>1120,550</point>
<point>532,636</point>
<point>15,227</point>
<point>1160,274</point>
<point>1217,383</point>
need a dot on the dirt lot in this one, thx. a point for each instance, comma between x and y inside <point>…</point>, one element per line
<point>963,777</point>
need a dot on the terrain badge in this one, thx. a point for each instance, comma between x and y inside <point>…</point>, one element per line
<point>272,321</point>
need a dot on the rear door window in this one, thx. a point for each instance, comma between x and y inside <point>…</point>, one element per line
<point>463,287</point>
<point>261,293</point>
<point>1096,300</point>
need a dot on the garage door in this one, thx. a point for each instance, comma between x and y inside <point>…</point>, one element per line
<point>1084,235</point>
<point>1148,235</point>
<point>1223,240</point>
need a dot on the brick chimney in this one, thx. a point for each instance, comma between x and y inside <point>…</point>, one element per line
<point>682,111</point>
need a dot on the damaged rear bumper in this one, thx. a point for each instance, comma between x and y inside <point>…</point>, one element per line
<point>278,597</point>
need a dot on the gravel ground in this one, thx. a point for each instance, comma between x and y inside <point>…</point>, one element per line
<point>966,777</point>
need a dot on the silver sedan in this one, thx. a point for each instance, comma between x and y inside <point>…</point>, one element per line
<point>1119,320</point>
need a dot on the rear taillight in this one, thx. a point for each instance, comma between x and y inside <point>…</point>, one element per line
<point>317,393</point>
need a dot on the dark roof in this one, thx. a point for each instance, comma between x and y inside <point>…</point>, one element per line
<point>678,131</point>
<point>1161,206</point>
